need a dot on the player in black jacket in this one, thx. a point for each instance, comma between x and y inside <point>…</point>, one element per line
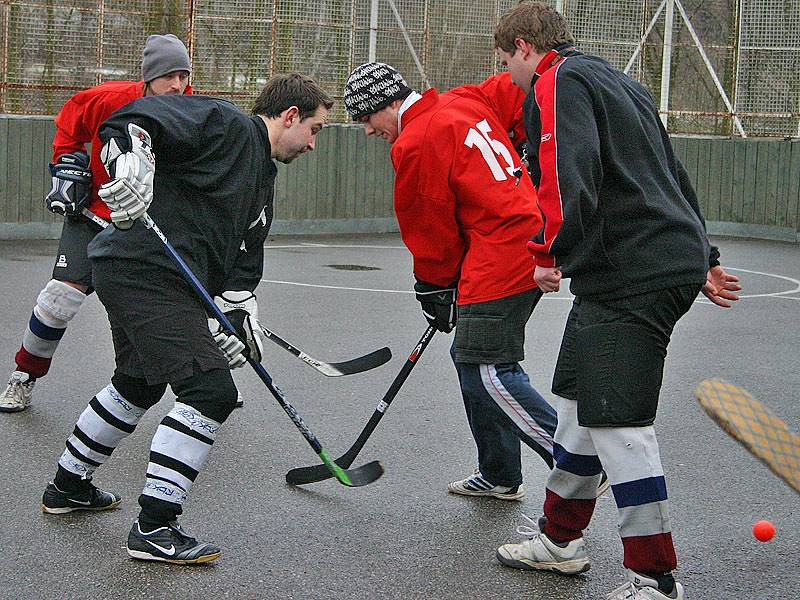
<point>623,223</point>
<point>212,195</point>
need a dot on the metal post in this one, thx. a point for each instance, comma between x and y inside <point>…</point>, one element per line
<point>101,17</point>
<point>560,6</point>
<point>666,61</point>
<point>373,31</point>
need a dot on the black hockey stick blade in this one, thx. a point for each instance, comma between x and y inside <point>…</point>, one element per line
<point>316,473</point>
<point>365,474</point>
<point>336,369</point>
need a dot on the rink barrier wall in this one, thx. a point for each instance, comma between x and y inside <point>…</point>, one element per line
<point>746,187</point>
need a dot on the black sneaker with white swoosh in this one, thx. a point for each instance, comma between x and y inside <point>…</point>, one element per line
<point>169,544</point>
<point>58,502</point>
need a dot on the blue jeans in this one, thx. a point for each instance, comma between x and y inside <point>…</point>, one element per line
<point>503,408</point>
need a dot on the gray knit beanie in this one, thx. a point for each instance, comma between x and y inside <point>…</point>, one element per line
<point>164,54</point>
<point>371,87</point>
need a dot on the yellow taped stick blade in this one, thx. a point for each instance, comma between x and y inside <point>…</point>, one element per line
<point>765,435</point>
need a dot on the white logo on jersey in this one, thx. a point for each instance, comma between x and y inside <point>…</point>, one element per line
<point>490,149</point>
<point>546,137</point>
<point>62,261</point>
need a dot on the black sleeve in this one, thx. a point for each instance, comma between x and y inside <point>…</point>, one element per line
<point>691,197</point>
<point>249,267</point>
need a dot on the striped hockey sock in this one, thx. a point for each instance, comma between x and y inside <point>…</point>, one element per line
<point>177,453</point>
<point>107,420</point>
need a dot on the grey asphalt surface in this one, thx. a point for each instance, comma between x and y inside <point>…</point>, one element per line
<point>403,536</point>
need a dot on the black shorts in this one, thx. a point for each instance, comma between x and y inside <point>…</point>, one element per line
<point>158,324</point>
<point>490,333</point>
<point>72,262</point>
<point>612,355</point>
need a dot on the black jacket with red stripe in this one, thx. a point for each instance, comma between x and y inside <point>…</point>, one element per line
<point>621,217</point>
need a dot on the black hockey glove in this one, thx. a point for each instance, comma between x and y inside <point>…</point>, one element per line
<point>438,305</point>
<point>71,184</point>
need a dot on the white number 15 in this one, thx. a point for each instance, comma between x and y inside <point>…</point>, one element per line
<point>490,149</point>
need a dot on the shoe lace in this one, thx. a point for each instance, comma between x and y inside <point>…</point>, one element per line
<point>627,591</point>
<point>526,530</point>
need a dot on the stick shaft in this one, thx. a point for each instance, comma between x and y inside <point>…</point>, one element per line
<point>228,327</point>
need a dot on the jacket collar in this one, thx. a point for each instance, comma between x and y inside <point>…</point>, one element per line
<point>551,59</point>
<point>420,105</point>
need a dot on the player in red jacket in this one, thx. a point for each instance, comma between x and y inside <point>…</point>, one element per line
<point>76,178</point>
<point>466,210</point>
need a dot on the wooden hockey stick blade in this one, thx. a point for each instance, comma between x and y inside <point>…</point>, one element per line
<point>754,426</point>
<point>337,369</point>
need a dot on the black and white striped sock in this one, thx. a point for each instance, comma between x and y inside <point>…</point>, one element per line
<point>177,453</point>
<point>107,420</point>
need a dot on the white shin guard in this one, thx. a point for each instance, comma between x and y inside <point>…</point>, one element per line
<point>107,420</point>
<point>178,452</point>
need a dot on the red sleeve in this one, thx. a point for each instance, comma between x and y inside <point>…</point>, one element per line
<point>426,207</point>
<point>71,131</point>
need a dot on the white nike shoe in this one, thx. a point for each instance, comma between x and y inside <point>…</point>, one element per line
<point>18,394</point>
<point>169,544</point>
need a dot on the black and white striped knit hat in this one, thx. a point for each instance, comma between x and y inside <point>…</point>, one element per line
<point>371,87</point>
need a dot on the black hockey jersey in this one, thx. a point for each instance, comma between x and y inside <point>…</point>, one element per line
<point>213,189</point>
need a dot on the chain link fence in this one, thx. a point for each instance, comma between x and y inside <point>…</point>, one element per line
<point>731,65</point>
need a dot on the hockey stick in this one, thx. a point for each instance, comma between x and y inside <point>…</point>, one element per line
<point>359,476</point>
<point>754,426</point>
<point>337,369</point>
<point>313,474</point>
<point>348,367</point>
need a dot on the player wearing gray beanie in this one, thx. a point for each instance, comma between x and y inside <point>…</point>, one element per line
<point>164,54</point>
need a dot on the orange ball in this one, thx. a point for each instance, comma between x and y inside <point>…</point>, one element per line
<point>764,531</point>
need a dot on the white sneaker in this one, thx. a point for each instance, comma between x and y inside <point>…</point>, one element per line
<point>540,553</point>
<point>640,587</point>
<point>18,394</point>
<point>476,485</point>
<point>239,400</point>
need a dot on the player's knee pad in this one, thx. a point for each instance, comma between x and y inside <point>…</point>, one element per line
<point>137,391</point>
<point>58,301</point>
<point>619,374</point>
<point>213,393</point>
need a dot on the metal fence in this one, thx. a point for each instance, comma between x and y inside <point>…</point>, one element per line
<point>724,67</point>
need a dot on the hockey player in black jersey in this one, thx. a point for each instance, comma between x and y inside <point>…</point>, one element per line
<point>205,172</point>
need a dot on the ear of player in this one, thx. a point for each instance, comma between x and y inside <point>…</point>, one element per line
<point>363,475</point>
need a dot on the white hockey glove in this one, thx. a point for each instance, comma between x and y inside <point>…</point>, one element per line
<point>231,346</point>
<point>130,191</point>
<point>242,311</point>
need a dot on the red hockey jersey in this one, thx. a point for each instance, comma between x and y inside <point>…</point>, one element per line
<point>79,121</point>
<point>505,99</point>
<point>465,206</point>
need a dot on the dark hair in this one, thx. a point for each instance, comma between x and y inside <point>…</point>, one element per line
<point>283,91</point>
<point>538,24</point>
